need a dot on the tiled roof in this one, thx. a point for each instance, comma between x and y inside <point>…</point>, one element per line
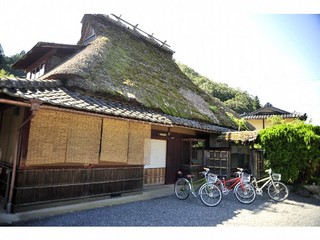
<point>52,92</point>
<point>265,116</point>
<point>42,48</point>
<point>268,111</point>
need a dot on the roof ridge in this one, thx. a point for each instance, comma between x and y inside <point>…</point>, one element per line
<point>133,30</point>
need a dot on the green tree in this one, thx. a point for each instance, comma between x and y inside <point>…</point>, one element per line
<point>6,63</point>
<point>240,103</point>
<point>292,149</point>
<point>5,74</point>
<point>256,103</point>
<point>275,120</point>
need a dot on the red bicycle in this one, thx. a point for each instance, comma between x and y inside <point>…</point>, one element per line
<point>242,188</point>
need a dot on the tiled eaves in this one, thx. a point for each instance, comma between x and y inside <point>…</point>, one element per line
<point>265,116</point>
<point>53,93</point>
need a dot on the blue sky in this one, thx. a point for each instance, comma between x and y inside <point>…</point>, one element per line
<point>268,48</point>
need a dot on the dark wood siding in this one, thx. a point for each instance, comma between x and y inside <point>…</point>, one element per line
<point>174,151</point>
<point>36,186</point>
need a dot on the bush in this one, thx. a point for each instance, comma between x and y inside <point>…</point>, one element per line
<point>292,149</point>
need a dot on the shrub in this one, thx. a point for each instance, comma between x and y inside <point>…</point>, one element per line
<point>292,149</point>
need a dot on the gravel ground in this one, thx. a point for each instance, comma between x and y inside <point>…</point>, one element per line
<point>170,211</point>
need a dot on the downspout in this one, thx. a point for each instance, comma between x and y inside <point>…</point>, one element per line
<point>16,103</point>
<point>34,107</point>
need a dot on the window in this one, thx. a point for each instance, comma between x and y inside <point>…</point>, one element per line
<point>90,36</point>
<point>36,72</point>
<point>193,153</point>
<point>218,161</point>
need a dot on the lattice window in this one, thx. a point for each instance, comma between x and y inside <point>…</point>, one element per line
<point>218,161</point>
<point>90,36</point>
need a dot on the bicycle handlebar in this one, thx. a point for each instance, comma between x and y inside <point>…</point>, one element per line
<point>269,171</point>
<point>206,170</point>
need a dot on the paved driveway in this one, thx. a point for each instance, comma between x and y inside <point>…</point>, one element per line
<point>169,211</point>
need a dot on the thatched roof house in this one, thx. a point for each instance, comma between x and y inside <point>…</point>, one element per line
<point>123,64</point>
<point>103,117</point>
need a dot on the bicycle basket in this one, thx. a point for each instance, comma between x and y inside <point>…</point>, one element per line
<point>276,176</point>
<point>245,177</point>
<point>212,177</point>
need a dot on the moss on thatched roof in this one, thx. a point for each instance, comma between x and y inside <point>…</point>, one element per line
<point>123,64</point>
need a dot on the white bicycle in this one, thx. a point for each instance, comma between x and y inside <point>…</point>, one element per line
<point>277,190</point>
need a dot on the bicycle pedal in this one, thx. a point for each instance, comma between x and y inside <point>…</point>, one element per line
<point>259,192</point>
<point>225,192</point>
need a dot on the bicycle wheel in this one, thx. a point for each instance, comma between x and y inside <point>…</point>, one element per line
<point>182,188</point>
<point>210,194</point>
<point>245,193</point>
<point>278,191</point>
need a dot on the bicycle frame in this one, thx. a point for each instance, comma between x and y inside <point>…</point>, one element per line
<point>195,185</point>
<point>235,180</point>
<point>223,184</point>
<point>267,180</point>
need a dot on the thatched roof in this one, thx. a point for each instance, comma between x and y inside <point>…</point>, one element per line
<point>239,137</point>
<point>122,63</point>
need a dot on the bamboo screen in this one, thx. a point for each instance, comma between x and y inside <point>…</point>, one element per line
<point>139,134</point>
<point>83,141</point>
<point>47,138</point>
<point>60,137</point>
<point>114,145</point>
<point>125,142</point>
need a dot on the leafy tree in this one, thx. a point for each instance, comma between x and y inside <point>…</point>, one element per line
<point>5,74</point>
<point>256,103</point>
<point>275,120</point>
<point>241,103</point>
<point>292,149</point>
<point>6,63</point>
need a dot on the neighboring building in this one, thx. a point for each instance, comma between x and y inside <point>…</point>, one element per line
<point>44,57</point>
<point>259,118</point>
<point>103,118</point>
